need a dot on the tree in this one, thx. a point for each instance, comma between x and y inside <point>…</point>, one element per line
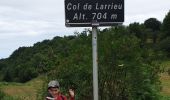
<point>154,25</point>
<point>123,72</point>
<point>165,45</point>
<point>135,28</point>
<point>165,36</point>
<point>139,31</point>
<point>8,75</point>
<point>166,26</point>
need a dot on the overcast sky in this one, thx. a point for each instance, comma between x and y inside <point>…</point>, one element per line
<point>25,22</point>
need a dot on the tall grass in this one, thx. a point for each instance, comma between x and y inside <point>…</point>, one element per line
<point>4,96</point>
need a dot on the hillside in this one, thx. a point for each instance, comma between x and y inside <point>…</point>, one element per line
<point>129,60</point>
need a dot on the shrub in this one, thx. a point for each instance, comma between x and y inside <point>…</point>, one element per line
<point>165,45</point>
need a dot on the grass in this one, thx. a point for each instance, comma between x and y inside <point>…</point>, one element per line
<point>25,91</point>
<point>165,80</point>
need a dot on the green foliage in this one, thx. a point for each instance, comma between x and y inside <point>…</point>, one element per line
<point>165,45</point>
<point>166,25</point>
<point>164,98</point>
<point>153,24</point>
<point>74,71</point>
<point>4,96</point>
<point>128,63</point>
<point>126,71</point>
<point>140,32</point>
<point>135,28</point>
<point>1,95</point>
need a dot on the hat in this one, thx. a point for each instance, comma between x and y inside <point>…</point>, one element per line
<point>53,84</point>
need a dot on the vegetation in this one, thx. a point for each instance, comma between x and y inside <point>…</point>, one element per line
<point>129,62</point>
<point>21,91</point>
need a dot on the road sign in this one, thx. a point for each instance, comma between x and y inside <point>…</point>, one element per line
<point>82,13</point>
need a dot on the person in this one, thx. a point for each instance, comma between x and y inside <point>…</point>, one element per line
<point>55,94</point>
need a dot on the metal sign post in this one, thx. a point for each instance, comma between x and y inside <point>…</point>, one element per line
<point>95,62</point>
<point>87,13</point>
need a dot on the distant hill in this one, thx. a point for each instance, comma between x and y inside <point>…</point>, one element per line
<point>26,63</point>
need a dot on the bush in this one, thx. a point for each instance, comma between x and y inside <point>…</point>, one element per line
<point>2,95</point>
<point>126,71</point>
<point>168,71</point>
<point>165,45</point>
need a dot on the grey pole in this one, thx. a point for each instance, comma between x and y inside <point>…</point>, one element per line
<point>95,63</point>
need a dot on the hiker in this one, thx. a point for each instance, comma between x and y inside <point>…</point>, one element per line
<point>55,94</point>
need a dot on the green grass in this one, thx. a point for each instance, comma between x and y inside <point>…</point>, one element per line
<point>165,80</point>
<point>25,91</point>
<point>165,65</point>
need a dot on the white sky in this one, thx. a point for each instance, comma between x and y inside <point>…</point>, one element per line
<point>25,22</point>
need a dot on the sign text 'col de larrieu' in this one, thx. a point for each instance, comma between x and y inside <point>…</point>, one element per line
<point>82,13</point>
